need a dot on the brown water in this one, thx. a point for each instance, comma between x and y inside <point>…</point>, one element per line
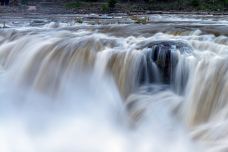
<point>66,86</point>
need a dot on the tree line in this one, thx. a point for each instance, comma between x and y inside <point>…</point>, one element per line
<point>149,4</point>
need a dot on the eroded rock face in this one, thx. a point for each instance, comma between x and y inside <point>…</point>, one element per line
<point>160,60</point>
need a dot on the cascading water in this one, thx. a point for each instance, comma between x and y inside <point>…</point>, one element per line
<point>103,88</point>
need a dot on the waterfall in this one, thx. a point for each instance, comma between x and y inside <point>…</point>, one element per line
<point>91,88</point>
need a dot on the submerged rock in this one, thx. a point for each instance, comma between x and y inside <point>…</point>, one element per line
<point>38,22</point>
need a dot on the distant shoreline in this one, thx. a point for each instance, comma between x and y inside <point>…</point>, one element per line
<point>183,12</point>
<point>24,11</point>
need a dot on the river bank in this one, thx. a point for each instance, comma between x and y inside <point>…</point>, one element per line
<point>92,8</point>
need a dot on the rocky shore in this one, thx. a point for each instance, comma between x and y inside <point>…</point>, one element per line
<point>45,13</point>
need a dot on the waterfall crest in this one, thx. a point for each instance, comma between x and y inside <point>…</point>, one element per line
<point>144,92</point>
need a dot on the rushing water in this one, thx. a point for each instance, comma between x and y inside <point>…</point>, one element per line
<point>118,88</point>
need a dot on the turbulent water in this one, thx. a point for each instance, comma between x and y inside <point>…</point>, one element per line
<point>119,88</point>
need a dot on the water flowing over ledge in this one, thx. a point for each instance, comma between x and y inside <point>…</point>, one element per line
<point>118,88</point>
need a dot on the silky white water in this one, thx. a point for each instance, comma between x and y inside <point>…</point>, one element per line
<point>103,88</point>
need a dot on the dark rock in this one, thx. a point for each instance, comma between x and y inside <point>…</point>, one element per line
<point>167,45</point>
<point>38,22</point>
<point>160,59</point>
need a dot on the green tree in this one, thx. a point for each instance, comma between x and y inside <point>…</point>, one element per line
<point>225,4</point>
<point>180,3</point>
<point>195,3</point>
<point>112,3</point>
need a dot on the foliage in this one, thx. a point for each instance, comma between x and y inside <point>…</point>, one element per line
<point>79,20</point>
<point>195,3</point>
<point>90,0</point>
<point>72,5</point>
<point>225,2</point>
<point>24,2</point>
<point>104,8</point>
<point>154,5</point>
<point>112,3</point>
<point>140,20</point>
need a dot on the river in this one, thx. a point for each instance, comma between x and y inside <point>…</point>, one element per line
<point>108,84</point>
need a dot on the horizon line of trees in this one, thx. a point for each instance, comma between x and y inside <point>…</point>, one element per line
<point>112,3</point>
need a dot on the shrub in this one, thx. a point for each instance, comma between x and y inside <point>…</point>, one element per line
<point>225,2</point>
<point>78,20</point>
<point>73,5</point>
<point>104,8</point>
<point>195,3</point>
<point>90,0</point>
<point>140,20</point>
<point>112,3</point>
